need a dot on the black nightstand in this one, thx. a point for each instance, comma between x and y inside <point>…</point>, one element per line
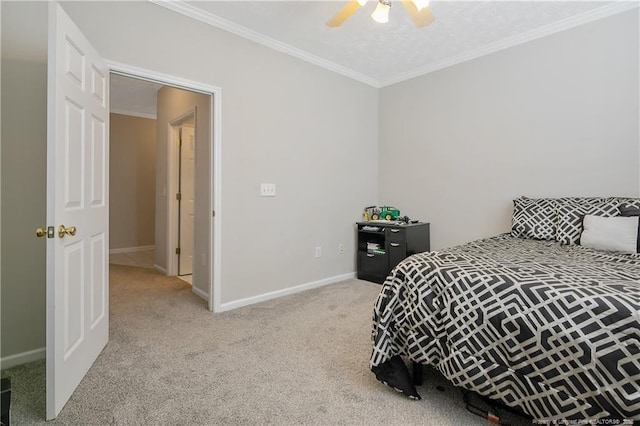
<point>382,245</point>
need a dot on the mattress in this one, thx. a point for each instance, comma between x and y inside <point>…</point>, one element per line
<point>551,329</point>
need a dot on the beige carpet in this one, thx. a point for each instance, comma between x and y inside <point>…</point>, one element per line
<point>301,359</point>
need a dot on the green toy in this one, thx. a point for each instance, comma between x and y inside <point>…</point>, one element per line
<point>382,212</point>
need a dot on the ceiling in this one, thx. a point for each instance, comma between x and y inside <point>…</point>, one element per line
<point>377,54</point>
<point>383,54</point>
<point>132,96</point>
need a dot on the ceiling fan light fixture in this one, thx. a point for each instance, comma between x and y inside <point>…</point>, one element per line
<point>420,4</point>
<point>381,14</point>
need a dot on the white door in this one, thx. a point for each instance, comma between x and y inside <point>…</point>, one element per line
<point>77,196</point>
<point>187,191</point>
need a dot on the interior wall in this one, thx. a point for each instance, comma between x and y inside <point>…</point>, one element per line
<point>557,116</point>
<point>174,103</point>
<point>132,179</point>
<point>23,192</point>
<point>310,131</point>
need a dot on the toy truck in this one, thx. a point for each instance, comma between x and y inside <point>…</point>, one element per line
<point>382,212</point>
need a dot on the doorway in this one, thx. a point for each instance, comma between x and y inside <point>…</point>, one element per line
<point>184,133</point>
<point>203,263</point>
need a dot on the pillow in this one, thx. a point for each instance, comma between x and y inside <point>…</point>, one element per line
<point>627,210</point>
<point>618,233</point>
<point>571,212</point>
<point>534,218</point>
<point>629,202</point>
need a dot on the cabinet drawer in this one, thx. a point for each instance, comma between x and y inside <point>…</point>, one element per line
<point>396,235</point>
<point>372,267</point>
<point>396,251</point>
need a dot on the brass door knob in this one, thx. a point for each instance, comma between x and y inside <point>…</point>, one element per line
<point>62,231</point>
<point>41,231</point>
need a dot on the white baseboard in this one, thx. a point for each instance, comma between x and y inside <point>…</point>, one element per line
<point>22,358</point>
<point>199,292</point>
<point>131,249</point>
<point>159,269</point>
<point>285,292</point>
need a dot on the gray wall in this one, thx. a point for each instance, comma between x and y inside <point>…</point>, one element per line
<point>284,121</point>
<point>132,181</point>
<point>557,116</point>
<point>24,160</point>
<point>174,103</point>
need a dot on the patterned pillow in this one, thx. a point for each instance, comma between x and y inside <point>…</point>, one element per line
<point>632,203</point>
<point>628,209</point>
<point>534,218</point>
<point>571,212</point>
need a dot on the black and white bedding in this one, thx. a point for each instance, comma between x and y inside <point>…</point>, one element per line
<point>548,328</point>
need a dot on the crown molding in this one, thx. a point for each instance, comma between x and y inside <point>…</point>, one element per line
<point>132,113</point>
<point>546,30</point>
<point>185,9</point>
<point>226,25</point>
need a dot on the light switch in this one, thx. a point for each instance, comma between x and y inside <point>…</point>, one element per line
<point>267,189</point>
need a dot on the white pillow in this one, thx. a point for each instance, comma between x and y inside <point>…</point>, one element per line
<point>618,233</point>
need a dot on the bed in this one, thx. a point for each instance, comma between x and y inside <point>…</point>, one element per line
<point>531,318</point>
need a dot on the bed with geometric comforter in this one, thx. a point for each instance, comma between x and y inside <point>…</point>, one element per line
<point>551,329</point>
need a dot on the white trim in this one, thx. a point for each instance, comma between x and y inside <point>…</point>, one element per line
<point>132,113</point>
<point>215,234</point>
<point>183,8</point>
<point>23,358</point>
<point>215,118</point>
<point>160,269</point>
<point>285,292</point>
<point>244,32</point>
<point>544,31</point>
<point>199,292</point>
<point>173,177</point>
<point>131,249</point>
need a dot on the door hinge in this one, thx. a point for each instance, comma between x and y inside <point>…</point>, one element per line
<point>178,196</point>
<point>178,250</point>
<point>213,213</point>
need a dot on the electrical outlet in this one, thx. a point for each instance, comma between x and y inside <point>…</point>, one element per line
<point>341,248</point>
<point>318,252</point>
<point>267,189</point>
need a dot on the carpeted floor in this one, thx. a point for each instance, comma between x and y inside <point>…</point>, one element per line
<point>301,359</point>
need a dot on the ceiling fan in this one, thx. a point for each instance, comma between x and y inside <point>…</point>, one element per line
<point>418,10</point>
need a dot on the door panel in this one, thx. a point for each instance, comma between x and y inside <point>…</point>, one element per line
<point>98,147</point>
<point>99,287</point>
<point>73,292</point>
<point>187,189</point>
<point>77,195</point>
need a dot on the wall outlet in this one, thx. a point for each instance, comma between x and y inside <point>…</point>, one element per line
<point>267,189</point>
<point>341,248</point>
<point>318,252</point>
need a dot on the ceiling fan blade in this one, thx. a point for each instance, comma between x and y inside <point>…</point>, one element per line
<point>347,10</point>
<point>420,18</point>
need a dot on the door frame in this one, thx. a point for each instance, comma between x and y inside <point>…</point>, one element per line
<point>215,165</point>
<point>173,172</point>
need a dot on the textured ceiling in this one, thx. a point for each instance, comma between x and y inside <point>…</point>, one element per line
<point>378,54</point>
<point>382,54</point>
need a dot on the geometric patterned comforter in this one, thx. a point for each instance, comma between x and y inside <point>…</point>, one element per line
<point>551,329</point>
